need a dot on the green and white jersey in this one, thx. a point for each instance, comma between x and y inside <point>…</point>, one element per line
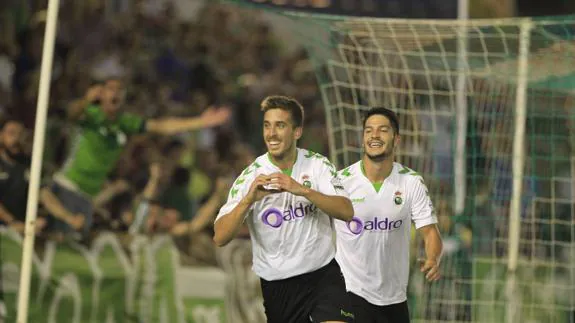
<point>97,147</point>
<point>290,236</point>
<point>373,249</point>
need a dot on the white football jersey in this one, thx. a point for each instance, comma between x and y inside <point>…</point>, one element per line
<point>373,249</point>
<point>290,236</point>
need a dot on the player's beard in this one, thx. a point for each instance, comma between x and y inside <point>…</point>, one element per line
<point>286,151</point>
<point>387,153</point>
<point>12,153</point>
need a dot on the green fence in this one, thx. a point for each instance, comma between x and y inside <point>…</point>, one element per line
<point>112,281</point>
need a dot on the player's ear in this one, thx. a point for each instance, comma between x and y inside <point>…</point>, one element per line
<point>298,132</point>
<point>397,139</point>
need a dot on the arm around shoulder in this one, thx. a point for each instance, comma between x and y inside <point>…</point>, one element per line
<point>336,206</point>
<point>331,196</point>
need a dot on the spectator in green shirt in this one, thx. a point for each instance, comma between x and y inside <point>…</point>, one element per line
<point>103,131</point>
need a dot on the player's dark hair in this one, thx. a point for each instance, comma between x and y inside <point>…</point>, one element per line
<point>388,113</point>
<point>285,103</point>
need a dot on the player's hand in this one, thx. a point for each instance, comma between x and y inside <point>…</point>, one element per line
<point>40,224</point>
<point>180,229</point>
<point>257,189</point>
<point>94,93</point>
<point>155,171</point>
<point>77,221</point>
<point>127,218</point>
<point>286,183</point>
<point>215,116</point>
<point>120,186</point>
<point>430,268</point>
<point>18,226</point>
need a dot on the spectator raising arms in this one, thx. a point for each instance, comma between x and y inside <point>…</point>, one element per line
<point>104,131</point>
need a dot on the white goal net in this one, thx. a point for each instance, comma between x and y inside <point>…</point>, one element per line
<point>487,117</point>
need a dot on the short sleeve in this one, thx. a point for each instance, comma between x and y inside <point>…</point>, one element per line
<point>239,190</point>
<point>329,182</point>
<point>132,124</point>
<point>422,212</point>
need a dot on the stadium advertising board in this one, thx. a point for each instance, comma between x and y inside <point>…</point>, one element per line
<point>145,283</point>
<point>110,282</point>
<point>431,9</point>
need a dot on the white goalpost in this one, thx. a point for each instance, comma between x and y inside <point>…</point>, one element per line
<point>518,170</point>
<point>37,154</point>
<point>459,164</point>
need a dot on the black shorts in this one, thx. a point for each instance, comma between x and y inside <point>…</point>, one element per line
<point>365,312</point>
<point>73,202</point>
<point>317,296</point>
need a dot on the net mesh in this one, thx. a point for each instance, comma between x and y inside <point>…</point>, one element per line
<point>413,66</point>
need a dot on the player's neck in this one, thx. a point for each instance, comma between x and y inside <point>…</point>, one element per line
<point>377,171</point>
<point>286,161</point>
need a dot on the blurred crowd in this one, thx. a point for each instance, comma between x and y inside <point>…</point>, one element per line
<point>174,184</point>
<point>170,68</point>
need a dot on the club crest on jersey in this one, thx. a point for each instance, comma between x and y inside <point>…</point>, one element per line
<point>305,180</point>
<point>397,199</point>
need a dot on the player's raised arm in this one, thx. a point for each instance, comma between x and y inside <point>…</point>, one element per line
<point>76,108</point>
<point>210,118</point>
<point>240,201</point>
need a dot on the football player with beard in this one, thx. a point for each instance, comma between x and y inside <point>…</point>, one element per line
<point>373,248</point>
<point>289,198</point>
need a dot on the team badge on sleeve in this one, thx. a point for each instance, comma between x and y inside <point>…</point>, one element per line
<point>397,199</point>
<point>305,181</point>
<point>336,182</point>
